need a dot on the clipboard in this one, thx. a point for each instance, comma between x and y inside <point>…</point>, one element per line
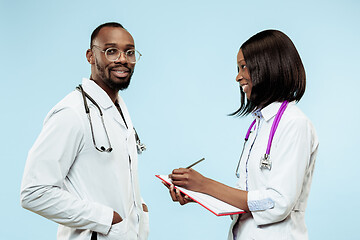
<point>214,205</point>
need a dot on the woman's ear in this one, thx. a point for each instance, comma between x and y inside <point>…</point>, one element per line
<point>90,57</point>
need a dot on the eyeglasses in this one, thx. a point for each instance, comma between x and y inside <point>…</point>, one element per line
<point>113,54</point>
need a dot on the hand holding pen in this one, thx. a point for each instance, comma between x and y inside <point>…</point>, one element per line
<point>188,178</point>
<point>179,177</point>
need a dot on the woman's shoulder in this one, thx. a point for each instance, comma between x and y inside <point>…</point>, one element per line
<point>295,121</point>
<point>294,118</point>
<point>294,113</point>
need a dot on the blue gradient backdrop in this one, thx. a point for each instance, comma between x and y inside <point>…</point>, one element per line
<point>180,95</point>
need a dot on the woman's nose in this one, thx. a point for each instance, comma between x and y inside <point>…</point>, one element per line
<point>239,77</point>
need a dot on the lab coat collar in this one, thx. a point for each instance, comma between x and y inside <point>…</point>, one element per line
<point>270,111</point>
<point>105,102</point>
<point>97,93</point>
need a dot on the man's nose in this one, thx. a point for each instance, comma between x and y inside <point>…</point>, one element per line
<point>122,58</point>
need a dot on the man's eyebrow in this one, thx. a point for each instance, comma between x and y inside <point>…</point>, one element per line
<point>114,44</point>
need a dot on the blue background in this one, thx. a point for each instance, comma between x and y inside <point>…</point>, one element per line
<point>180,95</point>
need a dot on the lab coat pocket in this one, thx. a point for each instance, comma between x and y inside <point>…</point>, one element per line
<point>144,226</point>
<point>117,231</point>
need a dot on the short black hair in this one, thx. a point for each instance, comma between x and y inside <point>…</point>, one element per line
<point>97,30</point>
<point>276,70</point>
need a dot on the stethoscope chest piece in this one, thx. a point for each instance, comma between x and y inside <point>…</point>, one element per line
<point>140,146</point>
<point>265,162</point>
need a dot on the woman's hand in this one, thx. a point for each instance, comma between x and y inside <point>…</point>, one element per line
<point>176,195</point>
<point>188,178</point>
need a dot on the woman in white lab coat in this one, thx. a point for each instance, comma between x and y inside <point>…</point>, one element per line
<point>276,167</point>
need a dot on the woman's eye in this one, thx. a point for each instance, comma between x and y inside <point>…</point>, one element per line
<point>241,67</point>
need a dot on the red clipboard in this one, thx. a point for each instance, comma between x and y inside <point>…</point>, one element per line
<point>214,205</point>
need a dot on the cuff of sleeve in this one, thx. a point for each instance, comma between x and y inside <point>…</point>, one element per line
<point>257,202</point>
<point>105,215</point>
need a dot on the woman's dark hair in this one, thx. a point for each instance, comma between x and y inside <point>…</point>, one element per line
<point>97,30</point>
<point>276,71</point>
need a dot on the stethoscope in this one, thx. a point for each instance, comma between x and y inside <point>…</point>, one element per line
<point>140,147</point>
<point>265,162</point>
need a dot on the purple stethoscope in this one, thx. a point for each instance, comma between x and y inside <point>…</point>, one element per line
<point>265,162</point>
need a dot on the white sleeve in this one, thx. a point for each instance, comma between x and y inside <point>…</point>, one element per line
<point>47,165</point>
<point>284,182</point>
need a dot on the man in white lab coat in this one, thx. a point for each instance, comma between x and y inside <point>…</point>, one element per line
<point>82,170</point>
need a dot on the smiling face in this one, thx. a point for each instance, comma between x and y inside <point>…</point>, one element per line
<point>243,76</point>
<point>112,76</point>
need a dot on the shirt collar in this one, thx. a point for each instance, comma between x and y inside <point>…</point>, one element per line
<point>269,111</point>
<point>97,93</point>
<point>257,113</point>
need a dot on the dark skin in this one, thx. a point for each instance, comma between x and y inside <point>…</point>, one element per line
<point>111,75</point>
<point>176,195</point>
<point>192,180</point>
<point>104,72</point>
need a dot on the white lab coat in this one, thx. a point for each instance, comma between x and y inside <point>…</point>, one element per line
<point>68,181</point>
<point>277,198</point>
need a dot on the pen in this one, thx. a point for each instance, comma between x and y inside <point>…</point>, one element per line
<point>196,163</point>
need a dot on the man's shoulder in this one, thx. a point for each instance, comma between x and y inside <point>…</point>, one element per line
<point>72,100</point>
<point>71,103</point>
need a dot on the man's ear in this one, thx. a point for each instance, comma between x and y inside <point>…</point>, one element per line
<point>90,57</point>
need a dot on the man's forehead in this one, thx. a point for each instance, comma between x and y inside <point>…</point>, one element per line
<point>114,35</point>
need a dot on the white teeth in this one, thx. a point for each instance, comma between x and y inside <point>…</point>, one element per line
<point>244,87</point>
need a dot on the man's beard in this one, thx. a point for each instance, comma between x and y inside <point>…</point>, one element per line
<point>110,83</point>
